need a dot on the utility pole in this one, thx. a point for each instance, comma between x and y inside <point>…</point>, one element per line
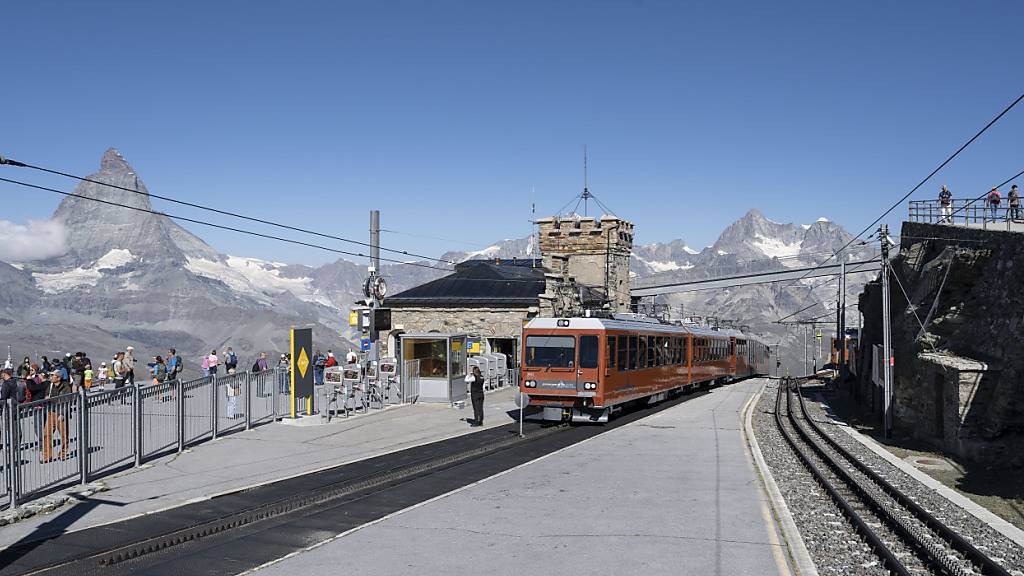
<point>883,235</point>
<point>841,322</point>
<point>806,372</point>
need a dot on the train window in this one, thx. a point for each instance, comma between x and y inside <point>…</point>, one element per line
<point>652,351</point>
<point>623,352</point>
<point>550,351</point>
<point>611,351</point>
<point>634,352</point>
<point>588,351</point>
<point>641,353</point>
<point>686,344</point>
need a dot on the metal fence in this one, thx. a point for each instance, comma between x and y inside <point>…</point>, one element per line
<point>58,442</point>
<point>969,212</point>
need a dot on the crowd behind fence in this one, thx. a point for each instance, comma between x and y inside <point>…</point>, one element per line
<point>970,212</point>
<point>59,442</point>
<point>75,438</point>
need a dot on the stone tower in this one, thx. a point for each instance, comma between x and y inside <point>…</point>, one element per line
<point>587,252</point>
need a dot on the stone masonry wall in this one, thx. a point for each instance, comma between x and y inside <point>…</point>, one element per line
<point>486,322</point>
<point>598,252</point>
<point>958,383</point>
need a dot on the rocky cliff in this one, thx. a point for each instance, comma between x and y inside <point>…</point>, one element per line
<point>956,339</point>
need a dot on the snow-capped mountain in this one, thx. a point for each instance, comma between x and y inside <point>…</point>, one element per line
<point>131,277</point>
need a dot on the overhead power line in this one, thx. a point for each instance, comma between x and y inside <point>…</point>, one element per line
<point>922,182</point>
<point>16,163</point>
<point>220,226</point>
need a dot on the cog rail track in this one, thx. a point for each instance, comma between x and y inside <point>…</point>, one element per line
<point>932,542</point>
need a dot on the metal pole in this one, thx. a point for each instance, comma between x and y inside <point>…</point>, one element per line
<point>14,449</point>
<point>137,426</point>
<point>886,333</point>
<point>841,334</point>
<point>179,410</point>
<point>806,367</point>
<point>521,403</point>
<point>248,400</point>
<point>213,407</point>
<point>83,437</point>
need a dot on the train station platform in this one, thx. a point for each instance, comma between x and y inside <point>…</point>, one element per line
<point>256,457</point>
<point>673,493</point>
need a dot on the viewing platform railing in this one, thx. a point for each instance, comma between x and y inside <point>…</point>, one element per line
<point>968,212</point>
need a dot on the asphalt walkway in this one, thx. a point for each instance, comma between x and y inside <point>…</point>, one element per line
<point>675,493</point>
<point>259,456</point>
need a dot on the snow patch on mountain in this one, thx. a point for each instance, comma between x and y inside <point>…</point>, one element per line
<point>665,266</point>
<point>257,278</point>
<point>54,282</point>
<point>776,248</point>
<point>488,252</point>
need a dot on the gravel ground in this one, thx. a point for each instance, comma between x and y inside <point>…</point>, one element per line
<point>998,547</point>
<point>831,541</point>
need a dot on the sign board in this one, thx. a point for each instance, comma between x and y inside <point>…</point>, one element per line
<point>382,319</point>
<point>473,345</point>
<point>364,344</point>
<point>302,366</point>
<point>353,318</point>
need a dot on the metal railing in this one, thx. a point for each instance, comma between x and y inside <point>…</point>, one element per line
<point>970,212</point>
<point>56,443</point>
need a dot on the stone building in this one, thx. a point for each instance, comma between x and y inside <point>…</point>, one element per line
<point>591,253</point>
<point>584,265</point>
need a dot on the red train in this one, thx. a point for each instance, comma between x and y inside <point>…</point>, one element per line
<point>586,369</point>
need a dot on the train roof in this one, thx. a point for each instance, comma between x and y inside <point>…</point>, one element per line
<point>632,324</point>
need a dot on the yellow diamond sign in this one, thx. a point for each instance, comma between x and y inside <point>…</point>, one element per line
<point>302,362</point>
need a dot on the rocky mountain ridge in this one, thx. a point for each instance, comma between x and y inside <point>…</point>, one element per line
<point>133,277</point>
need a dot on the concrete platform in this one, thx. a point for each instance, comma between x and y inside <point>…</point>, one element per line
<point>675,493</point>
<point>265,454</point>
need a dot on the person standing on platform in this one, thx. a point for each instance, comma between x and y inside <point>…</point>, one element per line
<point>1014,198</point>
<point>230,360</point>
<point>946,205</point>
<point>994,200</point>
<point>319,363</point>
<point>351,357</point>
<point>129,366</point>
<point>55,417</point>
<point>476,395</point>
<point>212,361</point>
<point>118,371</point>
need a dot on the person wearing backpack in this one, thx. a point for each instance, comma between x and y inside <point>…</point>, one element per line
<point>994,199</point>
<point>174,365</point>
<point>230,360</point>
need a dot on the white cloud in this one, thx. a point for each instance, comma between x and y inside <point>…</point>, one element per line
<point>33,240</point>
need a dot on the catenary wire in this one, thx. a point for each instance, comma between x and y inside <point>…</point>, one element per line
<point>19,164</point>
<point>220,226</point>
<point>922,182</point>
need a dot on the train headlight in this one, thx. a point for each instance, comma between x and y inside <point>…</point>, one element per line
<point>590,385</point>
<point>531,383</point>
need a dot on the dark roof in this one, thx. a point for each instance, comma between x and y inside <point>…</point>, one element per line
<point>477,283</point>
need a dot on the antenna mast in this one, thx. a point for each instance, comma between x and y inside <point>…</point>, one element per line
<point>586,191</point>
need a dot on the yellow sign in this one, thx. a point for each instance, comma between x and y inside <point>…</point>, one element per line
<point>353,318</point>
<point>456,346</point>
<point>302,362</point>
<point>474,348</point>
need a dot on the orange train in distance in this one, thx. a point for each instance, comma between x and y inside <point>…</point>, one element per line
<point>586,369</point>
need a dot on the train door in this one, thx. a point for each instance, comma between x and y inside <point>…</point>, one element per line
<point>588,367</point>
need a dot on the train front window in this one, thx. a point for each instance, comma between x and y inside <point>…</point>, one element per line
<point>551,351</point>
<point>588,351</point>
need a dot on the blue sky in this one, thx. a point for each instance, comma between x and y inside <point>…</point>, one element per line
<point>445,115</point>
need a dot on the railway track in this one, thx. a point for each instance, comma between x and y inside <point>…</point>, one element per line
<point>907,538</point>
<point>238,532</point>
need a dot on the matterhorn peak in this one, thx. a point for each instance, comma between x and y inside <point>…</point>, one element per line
<point>113,161</point>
